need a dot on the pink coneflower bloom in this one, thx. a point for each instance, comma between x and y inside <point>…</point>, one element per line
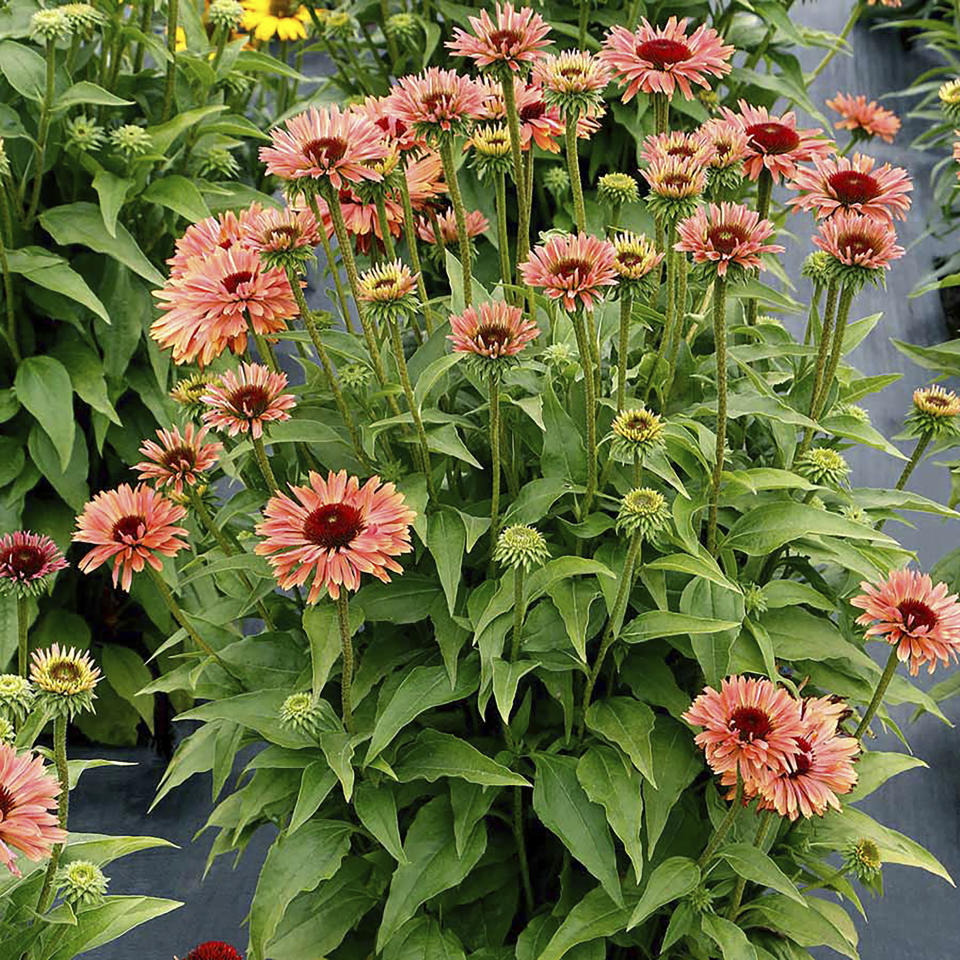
<point>281,231</point>
<point>328,143</point>
<point>178,459</point>
<point>573,77</point>
<point>776,143</point>
<point>437,102</point>
<point>130,526</point>
<point>676,177</point>
<point>676,143</point>
<point>477,224</point>
<point>845,183</point>
<point>661,59</point>
<point>493,330</point>
<point>570,268</point>
<point>210,307</point>
<point>750,726</point>
<point>921,620</point>
<point>27,560</point>
<point>513,39</point>
<point>201,239</point>
<point>725,234</point>
<point>335,530</point>
<point>28,808</point>
<point>362,219</point>
<point>859,241</point>
<point>727,140</point>
<point>246,400</point>
<point>397,133</point>
<point>213,950</point>
<point>864,119</point>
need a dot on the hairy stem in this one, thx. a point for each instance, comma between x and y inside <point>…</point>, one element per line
<point>48,891</point>
<point>410,232</point>
<point>384,227</point>
<point>263,462</point>
<point>178,613</point>
<point>23,667</point>
<point>586,361</point>
<point>888,671</point>
<point>346,677</point>
<point>459,215</point>
<point>173,13</point>
<point>494,460</point>
<point>523,209</point>
<point>573,168</point>
<point>720,337</point>
<point>626,303</point>
<point>764,191</point>
<point>43,129</point>
<point>724,826</point>
<point>503,240</point>
<point>841,38</point>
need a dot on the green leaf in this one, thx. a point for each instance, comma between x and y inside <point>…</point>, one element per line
<point>664,623</point>
<point>112,191</point>
<point>542,579</point>
<point>702,565</point>
<point>728,936</point>
<point>564,454</point>
<point>434,755</point>
<point>573,599</point>
<point>24,69</point>
<point>446,440</point>
<point>446,540</point>
<point>85,93</point>
<point>178,194</point>
<point>772,525</point>
<point>611,782</point>
<point>43,386</point>
<point>753,864</point>
<point>506,678</point>
<point>162,135</point>
<point>315,785</point>
<point>875,768</point>
<point>128,675</point>
<point>294,864</point>
<point>802,924</point>
<point>595,917</point>
<point>676,763</point>
<point>322,627</point>
<point>82,223</point>
<point>85,367</point>
<point>433,865</point>
<point>431,374</point>
<point>565,809</point>
<point>338,748</point>
<point>671,880</point>
<point>376,806</point>
<point>423,939</point>
<point>422,689</point>
<point>51,272</point>
<point>627,723</point>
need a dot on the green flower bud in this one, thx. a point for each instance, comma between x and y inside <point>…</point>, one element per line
<point>823,466</point>
<point>521,546</point>
<point>617,189</point>
<point>643,511</point>
<point>557,181</point>
<point>301,712</point>
<point>82,884</point>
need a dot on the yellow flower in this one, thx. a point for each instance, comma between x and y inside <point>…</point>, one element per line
<point>281,18</point>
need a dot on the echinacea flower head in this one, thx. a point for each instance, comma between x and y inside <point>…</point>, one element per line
<point>437,103</point>
<point>490,150</point>
<point>860,247</point>
<point>727,235</point>
<point>754,599</point>
<point>823,466</point>
<point>521,546</point>
<point>935,411</point>
<point>864,860</point>
<point>214,950</point>
<point>864,119</point>
<point>334,530</point>
<point>405,28</point>
<point>817,266</point>
<point>245,400</point>
<point>676,184</point>
<point>27,562</point>
<point>776,144</point>
<point>28,803</point>
<point>130,140</point>
<point>50,25</point>
<point>82,883</point>
<point>949,96</point>
<point>284,19</point>
<point>852,183</point>
<point>64,680</point>
<point>571,268</point>
<point>355,376</point>
<point>573,80</point>
<point>82,134</point>
<point>302,712</point>
<point>178,458</point>
<point>636,262</point>
<point>665,59</point>
<point>637,432</point>
<point>16,696</point>
<point>615,188</point>
<point>643,512</point>
<point>494,331</point>
<point>477,224</point>
<point>200,240</point>
<point>749,726</point>
<point>132,526</point>
<point>676,143</point>
<point>907,611</point>
<point>211,307</point>
<point>188,391</point>
<point>83,18</point>
<point>325,144</point>
<point>388,292</point>
<point>283,238</point>
<point>508,42</point>
<point>727,141</point>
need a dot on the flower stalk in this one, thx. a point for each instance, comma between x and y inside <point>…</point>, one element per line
<point>573,168</point>
<point>413,251</point>
<point>723,828</point>
<point>623,346</point>
<point>459,215</point>
<point>720,338</point>
<point>586,361</point>
<point>346,676</point>
<point>23,667</point>
<point>47,891</point>
<point>878,694</point>
<point>494,383</point>
<point>519,176</point>
<point>43,130</point>
<point>179,614</point>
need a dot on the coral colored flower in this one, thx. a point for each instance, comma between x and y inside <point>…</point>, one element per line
<point>683,146</point>
<point>246,400</point>
<point>661,59</point>
<point>437,102</point>
<point>858,241</point>
<point>477,224</point>
<point>726,234</point>
<point>676,177</point>
<point>329,143</point>
<point>573,78</point>
<point>776,143</point>
<point>132,527</point>
<point>864,119</point>
<point>921,620</point>
<point>211,307</point>
<point>511,40</point>
<point>281,231</point>
<point>571,268</point>
<point>493,330</point>
<point>27,560</point>
<point>728,142</point>
<point>398,133</point>
<point>213,950</point>
<point>205,237</point>
<point>335,530</point>
<point>749,725</point>
<point>28,804</point>
<point>178,459</point>
<point>844,183</point>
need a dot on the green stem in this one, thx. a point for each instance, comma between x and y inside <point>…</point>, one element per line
<point>666,336</point>
<point>513,127</point>
<point>613,225</point>
<point>178,613</point>
<point>724,827</point>
<point>661,112</point>
<point>146,15</point>
<point>43,128</point>
<point>918,451</point>
<point>384,226</point>
<point>679,315</point>
<point>503,241</point>
<point>841,37</point>
<point>223,35</point>
<point>720,338</point>
<point>626,303</point>
<point>267,355</point>
<point>519,611</point>
<point>583,22</point>
<point>48,891</point>
<point>764,191</point>
<point>586,361</point>
<point>346,677</point>
<point>23,667</point>
<point>410,231</point>
<point>328,253</point>
<point>10,333</point>
<point>573,168</point>
<point>824,345</point>
<point>412,404</point>
<point>173,12</point>
<point>264,464</point>
<point>766,818</point>
<point>494,459</point>
<point>459,214</point>
<point>888,671</point>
